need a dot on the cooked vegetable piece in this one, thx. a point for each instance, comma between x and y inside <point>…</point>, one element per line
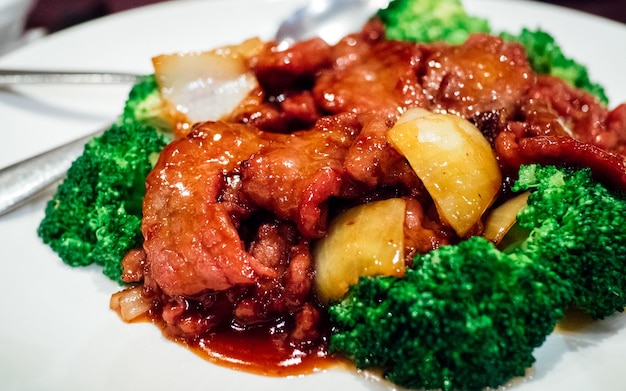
<point>203,86</point>
<point>464,317</point>
<point>95,215</point>
<point>366,240</point>
<point>144,105</point>
<point>430,21</point>
<point>130,303</point>
<point>500,220</point>
<point>453,160</point>
<point>579,225</point>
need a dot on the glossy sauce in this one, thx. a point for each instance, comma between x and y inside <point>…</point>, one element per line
<point>258,350</point>
<point>574,321</point>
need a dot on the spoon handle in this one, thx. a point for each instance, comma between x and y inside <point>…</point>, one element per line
<point>9,77</point>
<point>25,179</point>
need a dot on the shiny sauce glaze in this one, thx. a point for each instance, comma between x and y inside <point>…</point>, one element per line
<point>259,350</point>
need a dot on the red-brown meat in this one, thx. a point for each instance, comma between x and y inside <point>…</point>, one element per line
<point>483,74</point>
<point>585,118</point>
<point>367,77</point>
<point>295,174</point>
<point>373,162</point>
<point>293,68</point>
<point>191,243</point>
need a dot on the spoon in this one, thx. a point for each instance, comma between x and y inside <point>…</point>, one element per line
<point>22,181</point>
<point>328,19</point>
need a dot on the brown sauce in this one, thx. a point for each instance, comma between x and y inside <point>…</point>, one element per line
<point>259,351</point>
<point>574,321</point>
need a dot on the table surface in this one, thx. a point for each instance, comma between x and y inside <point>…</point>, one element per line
<point>54,15</point>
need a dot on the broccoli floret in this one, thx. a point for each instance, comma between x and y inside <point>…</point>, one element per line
<point>95,214</point>
<point>430,21</point>
<point>144,104</point>
<point>546,57</point>
<point>469,315</point>
<point>466,316</point>
<point>579,225</point>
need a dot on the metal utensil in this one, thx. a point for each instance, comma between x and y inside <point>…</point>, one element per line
<point>22,181</point>
<point>328,19</point>
<point>10,77</point>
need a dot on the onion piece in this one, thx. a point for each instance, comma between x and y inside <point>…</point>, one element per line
<point>129,303</point>
<point>454,161</point>
<point>205,86</point>
<point>366,240</point>
<point>500,220</point>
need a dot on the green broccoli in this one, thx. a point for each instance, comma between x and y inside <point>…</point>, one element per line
<point>469,315</point>
<point>579,226</point>
<point>95,214</point>
<point>466,316</point>
<point>546,57</point>
<point>144,104</point>
<point>430,21</point>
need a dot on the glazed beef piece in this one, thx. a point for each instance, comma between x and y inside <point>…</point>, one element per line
<point>284,103</point>
<point>373,162</point>
<point>191,243</point>
<point>481,75</point>
<point>278,245</point>
<point>285,295</point>
<point>371,77</point>
<point>295,174</point>
<point>365,73</point>
<point>286,113</point>
<point>294,68</point>
<point>607,167</point>
<point>558,124</point>
<point>585,118</point>
<point>361,74</point>
<point>422,229</point>
<point>198,269</point>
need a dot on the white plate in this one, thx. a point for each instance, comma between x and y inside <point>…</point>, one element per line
<point>56,331</point>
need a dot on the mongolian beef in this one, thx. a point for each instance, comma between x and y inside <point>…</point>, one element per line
<point>233,208</point>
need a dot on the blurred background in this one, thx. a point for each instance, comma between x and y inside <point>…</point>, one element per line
<point>41,17</point>
<point>54,15</point>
